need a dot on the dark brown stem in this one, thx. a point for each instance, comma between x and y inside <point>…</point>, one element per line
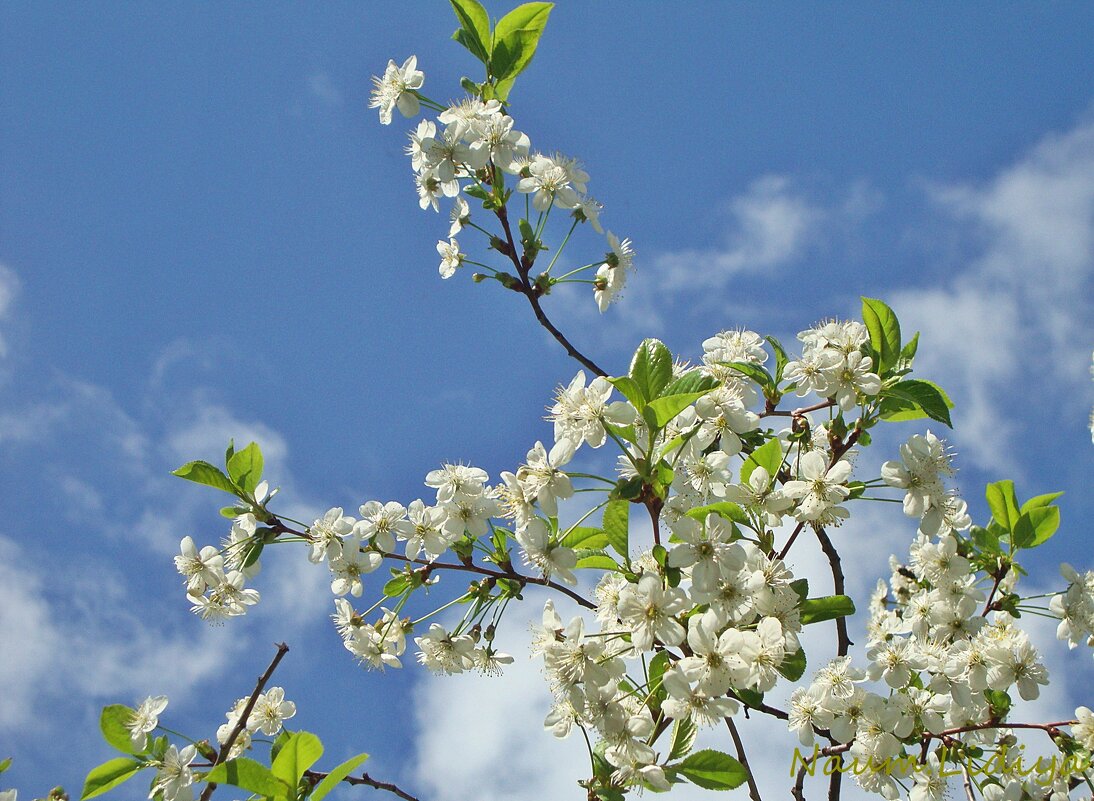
<point>816,407</point>
<point>799,783</point>
<point>753,790</point>
<point>367,781</point>
<point>225,749</point>
<point>843,641</point>
<point>793,536</point>
<point>506,574</point>
<point>527,289</point>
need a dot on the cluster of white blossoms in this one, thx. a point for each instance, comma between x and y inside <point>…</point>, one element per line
<point>924,464</point>
<point>470,146</point>
<point>268,716</point>
<point>832,364</point>
<point>1075,607</point>
<point>216,578</point>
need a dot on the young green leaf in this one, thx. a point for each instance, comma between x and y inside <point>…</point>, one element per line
<point>914,399</point>
<point>254,777</point>
<point>584,537</point>
<point>299,753</point>
<point>816,610</point>
<point>245,467</point>
<point>204,473</point>
<point>769,456</point>
<point>516,37</point>
<point>651,368</point>
<point>713,770</point>
<point>597,560</point>
<point>726,509</point>
<point>691,381</point>
<point>781,359</point>
<point>109,775</point>
<point>793,667</point>
<point>474,32</point>
<point>112,723</point>
<point>332,779</point>
<point>684,732</point>
<point>616,527</point>
<point>884,331</point>
<point>631,391</point>
<point>1003,503</point>
<point>397,586</point>
<point>1037,501</point>
<point>1036,526</point>
<point>656,672</point>
<point>668,406</point>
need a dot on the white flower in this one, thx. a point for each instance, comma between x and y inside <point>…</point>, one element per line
<point>1083,731</point>
<point>708,549</point>
<point>580,412</point>
<point>704,708</point>
<point>538,551</point>
<point>327,534</point>
<point>199,569</point>
<point>820,486</point>
<point>541,477</point>
<point>428,535</point>
<point>225,600</point>
<point>649,610</point>
<point>549,183</point>
<point>174,779</point>
<point>382,523</point>
<point>588,210</point>
<point>444,653</point>
<point>145,719</point>
<point>396,90</point>
<point>460,216</point>
<point>852,378</point>
<point>714,665</point>
<point>349,567</point>
<point>457,481</point>
<point>270,711</point>
<point>451,258</point>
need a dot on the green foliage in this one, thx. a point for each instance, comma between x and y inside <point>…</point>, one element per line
<point>781,359</point>
<point>768,456</point>
<point>584,537</point>
<point>884,331</point>
<point>712,770</point>
<point>915,399</point>
<point>507,50</point>
<point>252,776</point>
<point>245,467</point>
<point>300,752</point>
<point>651,369</point>
<point>112,723</point>
<point>204,473</point>
<point>668,406</point>
<point>757,374</point>
<point>727,509</point>
<point>1003,503</point>
<point>793,667</point>
<point>617,527</point>
<point>816,610</point>
<point>474,32</point>
<point>684,732</point>
<point>109,775</point>
<point>335,776</point>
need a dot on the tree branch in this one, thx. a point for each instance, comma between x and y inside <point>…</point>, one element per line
<point>367,781</point>
<point>225,749</point>
<point>753,790</point>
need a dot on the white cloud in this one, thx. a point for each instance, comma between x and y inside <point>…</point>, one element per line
<point>9,288</point>
<point>1017,317</point>
<point>323,89</point>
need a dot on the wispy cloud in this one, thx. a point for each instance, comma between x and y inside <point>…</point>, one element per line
<point>322,88</point>
<point>1018,312</point>
<point>9,288</point>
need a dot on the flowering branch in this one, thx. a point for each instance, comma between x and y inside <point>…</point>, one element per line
<point>241,724</point>
<point>364,780</point>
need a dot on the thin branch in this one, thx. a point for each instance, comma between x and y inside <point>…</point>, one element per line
<point>523,267</point>
<point>506,574</point>
<point>843,641</point>
<point>753,790</point>
<point>367,781</point>
<point>225,749</point>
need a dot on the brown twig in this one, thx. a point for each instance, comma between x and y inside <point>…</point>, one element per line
<point>225,749</point>
<point>367,781</point>
<point>753,789</point>
<point>843,641</point>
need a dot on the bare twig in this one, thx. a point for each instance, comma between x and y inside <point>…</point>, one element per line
<point>753,790</point>
<point>843,641</point>
<point>225,749</point>
<point>365,780</point>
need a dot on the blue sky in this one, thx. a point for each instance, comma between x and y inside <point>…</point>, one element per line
<point>205,233</point>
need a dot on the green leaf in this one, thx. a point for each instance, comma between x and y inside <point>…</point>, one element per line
<point>516,37</point>
<point>109,775</point>
<point>112,724</point>
<point>684,732</point>
<point>907,353</point>
<point>631,391</point>
<point>616,527</point>
<point>726,509</point>
<point>299,753</point>
<point>815,610</point>
<point>245,467</point>
<point>668,406</point>
<point>204,473</point>
<point>755,372</point>
<point>1003,503</point>
<point>793,667</point>
<point>691,381</point>
<point>801,587</point>
<point>656,671</point>
<point>713,770</point>
<point>769,456</point>
<point>884,331</point>
<point>599,561</point>
<point>333,778</point>
<point>781,359</point>
<point>397,586</point>
<point>914,399</point>
<point>474,32</point>
<point>5,764</point>
<point>585,537</point>
<point>751,697</point>
<point>1037,501</point>
<point>1036,526</point>
<point>651,368</point>
<point>254,777</point>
